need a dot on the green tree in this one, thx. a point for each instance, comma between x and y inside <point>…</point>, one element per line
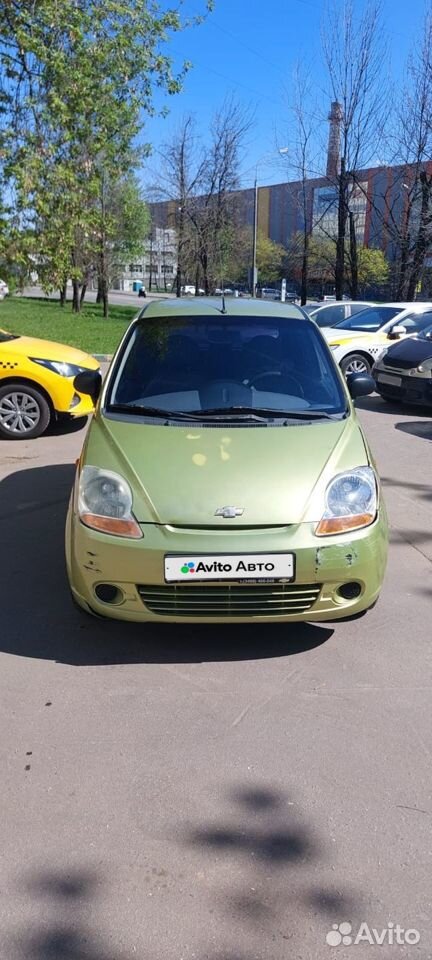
<point>373,268</point>
<point>270,258</point>
<point>81,75</point>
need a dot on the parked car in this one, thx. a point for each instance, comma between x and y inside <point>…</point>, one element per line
<point>225,476</point>
<point>270,293</point>
<point>4,289</point>
<point>404,370</point>
<point>37,384</point>
<point>358,341</point>
<point>329,314</point>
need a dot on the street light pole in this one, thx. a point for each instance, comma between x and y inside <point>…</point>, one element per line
<point>254,241</point>
<point>254,278</point>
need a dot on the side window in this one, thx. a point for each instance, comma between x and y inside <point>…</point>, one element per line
<point>415,322</point>
<point>356,308</point>
<point>327,317</point>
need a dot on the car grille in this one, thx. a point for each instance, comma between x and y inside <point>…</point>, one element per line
<point>266,600</point>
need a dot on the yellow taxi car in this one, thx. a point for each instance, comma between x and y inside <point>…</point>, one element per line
<point>359,341</point>
<point>36,384</point>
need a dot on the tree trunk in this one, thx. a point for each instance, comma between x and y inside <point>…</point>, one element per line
<point>403,270</point>
<point>353,258</point>
<point>99,290</point>
<point>420,249</point>
<point>304,270</point>
<point>340,242</point>
<point>104,299</point>
<point>76,306</point>
<point>197,280</point>
<point>83,293</point>
<point>63,293</point>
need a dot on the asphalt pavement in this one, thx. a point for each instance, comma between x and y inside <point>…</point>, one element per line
<point>180,792</point>
<point>116,297</point>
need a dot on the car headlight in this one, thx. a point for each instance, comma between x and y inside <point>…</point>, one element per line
<point>105,503</point>
<point>57,366</point>
<point>350,502</point>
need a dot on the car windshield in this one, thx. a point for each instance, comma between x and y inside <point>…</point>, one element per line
<point>426,334</point>
<point>5,336</point>
<point>369,320</point>
<point>226,366</point>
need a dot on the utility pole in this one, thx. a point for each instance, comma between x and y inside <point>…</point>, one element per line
<point>254,241</point>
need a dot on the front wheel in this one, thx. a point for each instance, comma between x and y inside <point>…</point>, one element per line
<point>355,363</point>
<point>24,412</point>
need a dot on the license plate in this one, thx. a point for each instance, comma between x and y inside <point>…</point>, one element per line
<point>390,379</point>
<point>237,566</point>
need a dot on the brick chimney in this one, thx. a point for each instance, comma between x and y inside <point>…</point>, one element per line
<point>333,153</point>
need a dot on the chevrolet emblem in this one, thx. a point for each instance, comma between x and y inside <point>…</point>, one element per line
<point>229,513</point>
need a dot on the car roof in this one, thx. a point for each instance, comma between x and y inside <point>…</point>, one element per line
<point>343,303</point>
<point>407,305</point>
<point>213,307</point>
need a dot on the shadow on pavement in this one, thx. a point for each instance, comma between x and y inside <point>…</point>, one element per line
<point>66,935</point>
<point>376,404</point>
<point>66,425</point>
<point>265,891</point>
<point>418,428</point>
<point>40,620</point>
<point>276,864</point>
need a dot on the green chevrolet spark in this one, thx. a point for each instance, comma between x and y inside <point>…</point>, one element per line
<point>225,476</point>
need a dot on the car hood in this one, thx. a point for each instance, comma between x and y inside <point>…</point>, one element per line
<point>182,475</point>
<point>48,350</point>
<point>346,336</point>
<point>411,351</point>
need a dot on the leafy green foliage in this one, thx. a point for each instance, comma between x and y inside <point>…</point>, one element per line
<point>81,74</point>
<point>373,267</point>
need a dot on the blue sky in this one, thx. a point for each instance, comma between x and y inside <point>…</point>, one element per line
<point>249,50</point>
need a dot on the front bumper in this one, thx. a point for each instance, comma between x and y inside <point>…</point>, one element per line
<point>72,403</point>
<point>135,569</point>
<point>411,389</point>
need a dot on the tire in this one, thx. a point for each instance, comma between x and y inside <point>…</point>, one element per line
<point>24,412</point>
<point>355,363</point>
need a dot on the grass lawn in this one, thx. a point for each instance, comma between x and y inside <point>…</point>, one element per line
<point>47,320</point>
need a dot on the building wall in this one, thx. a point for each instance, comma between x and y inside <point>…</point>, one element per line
<point>156,266</point>
<point>280,213</point>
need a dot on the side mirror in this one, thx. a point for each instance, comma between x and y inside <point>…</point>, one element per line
<point>397,332</point>
<point>89,382</point>
<point>360,385</point>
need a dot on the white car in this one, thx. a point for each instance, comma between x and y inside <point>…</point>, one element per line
<point>359,341</point>
<point>329,314</point>
<point>4,289</point>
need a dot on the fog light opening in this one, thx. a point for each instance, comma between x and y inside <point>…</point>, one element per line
<point>350,591</point>
<point>109,593</point>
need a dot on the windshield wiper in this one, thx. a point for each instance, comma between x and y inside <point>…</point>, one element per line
<point>263,413</point>
<point>142,410</point>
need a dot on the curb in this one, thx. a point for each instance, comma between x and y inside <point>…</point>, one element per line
<point>103,357</point>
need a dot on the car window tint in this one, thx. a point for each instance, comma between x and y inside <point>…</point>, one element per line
<point>357,308</point>
<point>370,319</point>
<point>190,363</point>
<point>329,315</point>
<point>415,322</point>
